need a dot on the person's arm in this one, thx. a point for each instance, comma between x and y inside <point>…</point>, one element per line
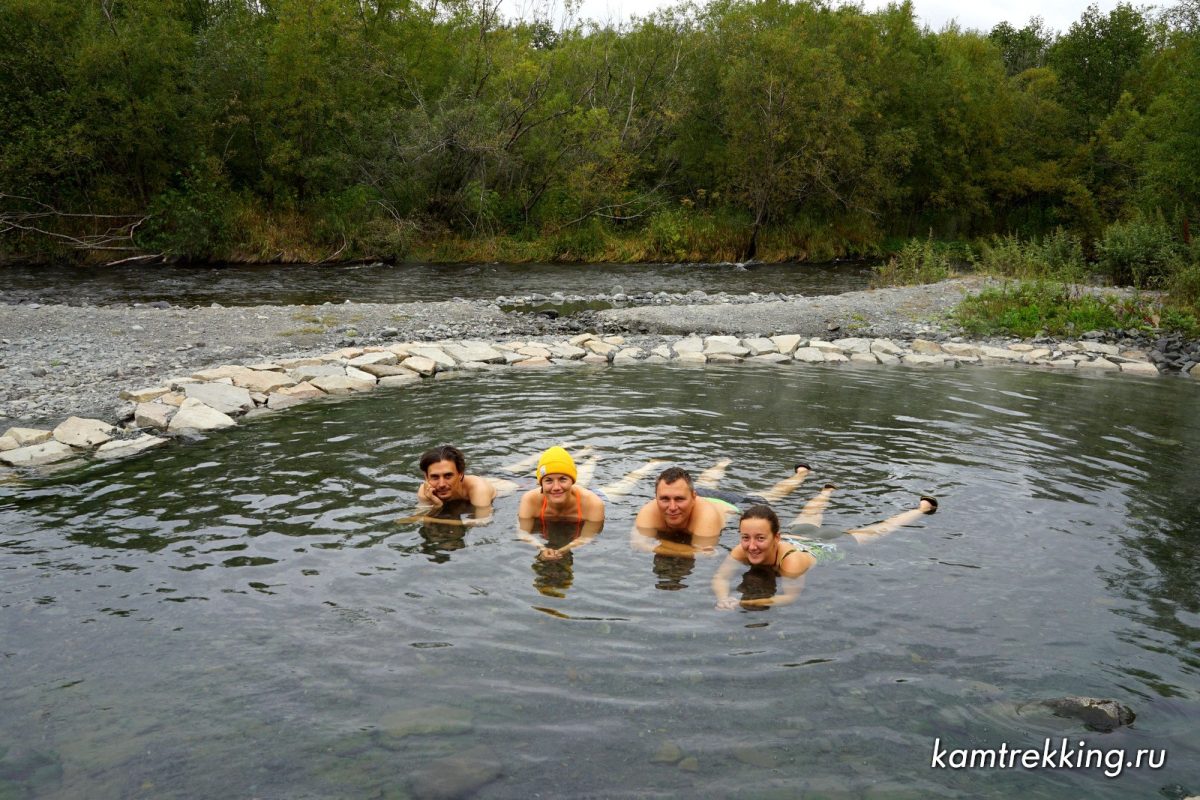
<point>481,494</point>
<point>587,532</point>
<point>722,580</point>
<point>791,591</point>
<point>644,534</point>
<point>525,534</point>
<point>593,506</point>
<point>707,522</point>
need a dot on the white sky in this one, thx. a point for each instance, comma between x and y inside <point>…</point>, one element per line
<point>981,15</point>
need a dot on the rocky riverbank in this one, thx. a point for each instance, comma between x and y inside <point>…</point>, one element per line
<point>58,361</point>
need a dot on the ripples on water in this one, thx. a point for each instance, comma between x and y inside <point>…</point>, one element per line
<point>244,618</point>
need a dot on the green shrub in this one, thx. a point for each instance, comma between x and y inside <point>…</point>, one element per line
<point>1031,308</point>
<point>1138,252</point>
<point>1058,256</point>
<point>194,221</point>
<point>919,261</point>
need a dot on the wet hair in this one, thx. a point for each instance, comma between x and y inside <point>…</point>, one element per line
<point>673,475</point>
<point>761,511</point>
<point>443,453</point>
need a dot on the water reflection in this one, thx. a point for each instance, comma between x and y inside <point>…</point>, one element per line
<point>248,609</point>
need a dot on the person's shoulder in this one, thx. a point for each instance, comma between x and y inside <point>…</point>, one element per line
<point>530,499</point>
<point>795,563</point>
<point>589,496</point>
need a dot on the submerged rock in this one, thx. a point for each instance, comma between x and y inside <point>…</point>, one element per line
<point>1095,714</point>
<point>441,720</point>
<point>456,776</point>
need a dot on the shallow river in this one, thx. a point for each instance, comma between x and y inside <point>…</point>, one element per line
<point>407,283</point>
<point>244,618</point>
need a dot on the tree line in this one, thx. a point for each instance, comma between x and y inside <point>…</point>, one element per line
<point>329,129</point>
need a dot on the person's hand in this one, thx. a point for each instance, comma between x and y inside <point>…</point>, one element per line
<point>707,552</point>
<point>728,604</point>
<point>549,554</point>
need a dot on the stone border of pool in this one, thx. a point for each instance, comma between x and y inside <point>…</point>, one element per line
<point>213,398</point>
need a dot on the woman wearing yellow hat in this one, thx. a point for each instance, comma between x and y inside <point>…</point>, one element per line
<point>559,499</point>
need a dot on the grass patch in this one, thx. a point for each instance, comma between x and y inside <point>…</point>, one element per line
<point>1033,308</point>
<point>919,261</point>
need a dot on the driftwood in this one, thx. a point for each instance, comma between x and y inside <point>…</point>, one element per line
<point>37,218</point>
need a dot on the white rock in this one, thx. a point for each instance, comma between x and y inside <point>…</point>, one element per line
<point>383,370</point>
<point>577,341</point>
<point>386,358</point>
<point>343,385</point>
<point>307,372</point>
<point>854,345</point>
<point>1194,371</point>
<point>627,354</point>
<point>926,347</point>
<point>153,415</point>
<point>1099,347</point>
<point>759,346</point>
<point>809,355</point>
<point>24,437</point>
<point>723,358</point>
<point>961,349</point>
<point>864,358</point>
<point>195,415</point>
<point>278,402</point>
<point>835,358</point>
<point>36,454</point>
<point>823,346</point>
<point>786,343</point>
<point>1061,363</point>
<point>127,447</point>
<point>692,357</point>
<point>655,358</point>
<point>227,371</point>
<point>600,348</point>
<point>400,380</point>
<point>263,381</point>
<point>435,354</point>
<point>223,398</point>
<point>480,352</point>
<point>692,344</point>
<point>355,374</point>
<point>724,345</point>
<point>887,358</point>
<point>662,351</point>
<point>924,360</point>
<point>616,340</point>
<point>770,358</point>
<point>886,347</point>
<point>1021,347</point>
<point>1033,356</point>
<point>535,351</point>
<point>594,358</point>
<point>537,361</point>
<point>79,432</point>
<point>568,351</point>
<point>1100,363</point>
<point>1139,368</point>
<point>999,354</point>
<point>420,365</point>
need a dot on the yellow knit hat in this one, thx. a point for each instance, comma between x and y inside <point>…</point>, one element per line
<point>556,461</point>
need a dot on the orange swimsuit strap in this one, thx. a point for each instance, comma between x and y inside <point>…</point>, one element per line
<point>578,506</point>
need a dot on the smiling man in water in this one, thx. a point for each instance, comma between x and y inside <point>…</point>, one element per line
<point>448,485</point>
<point>677,521</point>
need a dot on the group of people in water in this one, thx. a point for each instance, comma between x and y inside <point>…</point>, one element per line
<point>684,520</point>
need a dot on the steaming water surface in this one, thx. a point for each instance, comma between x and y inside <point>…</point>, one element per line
<point>243,618</point>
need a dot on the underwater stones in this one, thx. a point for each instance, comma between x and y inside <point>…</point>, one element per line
<point>433,720</point>
<point>456,776</point>
<point>144,395</point>
<point>24,437</point>
<point>1095,714</point>
<point>667,753</point>
<point>196,416</point>
<point>37,454</point>
<point>420,365</point>
<point>225,398</point>
<point>120,448</point>
<point>83,433</point>
<point>153,415</point>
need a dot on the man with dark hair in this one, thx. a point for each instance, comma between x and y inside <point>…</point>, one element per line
<point>447,484</point>
<point>678,521</point>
